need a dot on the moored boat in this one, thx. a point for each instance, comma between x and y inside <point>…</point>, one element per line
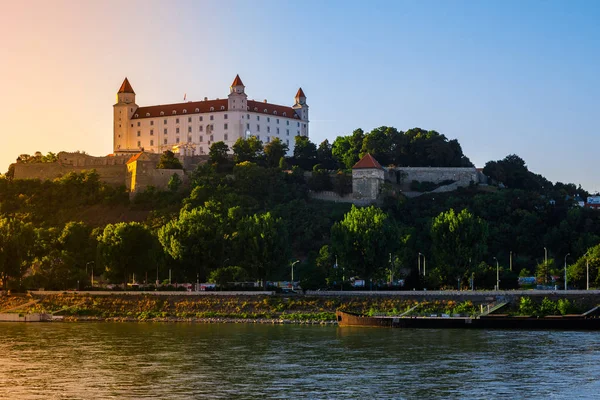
<point>586,321</point>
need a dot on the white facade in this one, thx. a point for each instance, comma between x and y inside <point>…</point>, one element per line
<point>191,128</point>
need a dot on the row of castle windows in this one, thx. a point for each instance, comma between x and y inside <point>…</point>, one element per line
<point>213,109</point>
<point>211,117</point>
<point>189,140</point>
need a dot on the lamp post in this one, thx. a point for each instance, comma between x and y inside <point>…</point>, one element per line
<point>545,265</point>
<point>424,264</point>
<point>294,263</point>
<point>587,267</point>
<point>497,274</point>
<point>510,260</point>
<point>568,254</point>
<point>86,267</point>
<point>419,263</point>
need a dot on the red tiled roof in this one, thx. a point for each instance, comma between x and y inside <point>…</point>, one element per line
<point>190,108</point>
<point>134,158</point>
<point>367,162</point>
<point>271,108</point>
<point>237,81</point>
<point>300,93</point>
<point>126,87</point>
<point>205,107</point>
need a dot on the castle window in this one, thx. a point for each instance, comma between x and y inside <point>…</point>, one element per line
<point>201,138</point>
<point>268,129</point>
<point>176,120</point>
<point>212,138</point>
<point>284,114</point>
<point>268,119</point>
<point>277,120</point>
<point>139,133</point>
<point>287,132</point>
<point>265,110</point>
<point>225,117</point>
<point>201,118</point>
<point>165,131</point>
<point>247,116</point>
<point>151,122</point>
<point>225,137</point>
<point>132,125</point>
<point>212,117</point>
<point>189,129</point>
<point>287,122</point>
<point>176,130</point>
<point>189,119</point>
<point>174,112</point>
<point>147,114</point>
<point>257,128</point>
<point>177,140</point>
<point>274,112</point>
<point>138,123</point>
<point>212,109</point>
<point>287,142</point>
<point>151,132</point>
<point>255,108</point>
<point>136,115</point>
<point>304,125</point>
<point>225,126</point>
<point>258,117</point>
<point>162,113</point>
<point>278,131</point>
<point>165,121</point>
<point>152,143</point>
<point>268,139</point>
<point>165,141</point>
<point>189,139</point>
<point>201,149</point>
<point>298,124</point>
<point>201,128</point>
<point>131,109</point>
<point>197,110</point>
<point>247,126</point>
<point>139,144</point>
<point>184,111</point>
<point>222,107</point>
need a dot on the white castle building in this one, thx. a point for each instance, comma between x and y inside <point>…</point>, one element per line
<point>191,127</point>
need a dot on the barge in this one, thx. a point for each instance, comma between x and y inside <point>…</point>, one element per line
<point>587,321</point>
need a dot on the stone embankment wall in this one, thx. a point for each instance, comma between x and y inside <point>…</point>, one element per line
<point>111,174</point>
<point>333,196</point>
<point>462,176</point>
<point>142,174</point>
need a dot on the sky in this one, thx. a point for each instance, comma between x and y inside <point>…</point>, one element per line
<point>502,77</point>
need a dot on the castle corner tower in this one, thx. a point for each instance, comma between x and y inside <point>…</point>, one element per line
<point>123,111</point>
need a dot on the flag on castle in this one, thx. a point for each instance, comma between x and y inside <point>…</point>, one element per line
<point>184,96</point>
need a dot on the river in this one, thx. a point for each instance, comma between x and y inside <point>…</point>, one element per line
<point>183,361</point>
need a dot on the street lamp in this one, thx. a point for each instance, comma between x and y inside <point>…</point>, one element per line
<point>86,267</point>
<point>568,254</point>
<point>294,263</point>
<point>424,264</point>
<point>545,266</point>
<point>587,267</point>
<point>497,274</point>
<point>510,260</point>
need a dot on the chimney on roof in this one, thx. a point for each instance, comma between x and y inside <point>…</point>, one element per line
<point>265,100</point>
<point>206,98</point>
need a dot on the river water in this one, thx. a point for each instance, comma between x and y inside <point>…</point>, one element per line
<point>183,361</point>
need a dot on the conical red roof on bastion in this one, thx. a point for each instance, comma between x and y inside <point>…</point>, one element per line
<point>367,162</point>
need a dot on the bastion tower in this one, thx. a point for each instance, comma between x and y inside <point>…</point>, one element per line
<point>123,111</point>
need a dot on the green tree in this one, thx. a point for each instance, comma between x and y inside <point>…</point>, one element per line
<point>218,153</point>
<point>346,149</point>
<point>16,249</point>
<point>224,275</point>
<point>250,150</point>
<point>363,241</point>
<point>305,153</point>
<point>261,243</point>
<point>577,272</point>
<point>459,240</point>
<point>169,161</point>
<point>125,249</point>
<point>325,156</point>
<point>174,183</point>
<point>275,150</point>
<point>196,240</point>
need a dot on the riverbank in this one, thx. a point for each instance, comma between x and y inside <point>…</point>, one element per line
<point>280,309</point>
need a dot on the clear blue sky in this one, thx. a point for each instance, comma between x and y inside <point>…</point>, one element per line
<point>502,77</point>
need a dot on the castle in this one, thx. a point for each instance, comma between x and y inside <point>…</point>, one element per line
<point>190,128</point>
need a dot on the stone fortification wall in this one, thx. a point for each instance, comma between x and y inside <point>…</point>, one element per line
<point>85,160</point>
<point>462,176</point>
<point>111,174</point>
<point>336,198</point>
<point>142,174</point>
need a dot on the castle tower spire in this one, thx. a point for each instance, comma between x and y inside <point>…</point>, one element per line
<point>237,86</point>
